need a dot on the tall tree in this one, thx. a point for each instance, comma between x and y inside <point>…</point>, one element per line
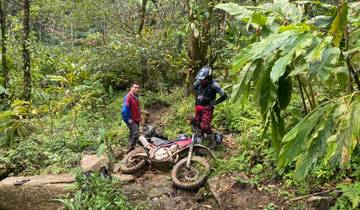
<point>142,15</point>
<point>198,40</point>
<point>143,60</point>
<point>3,6</point>
<point>26,52</point>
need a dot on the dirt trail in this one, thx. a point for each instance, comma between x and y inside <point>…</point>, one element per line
<point>156,190</point>
<point>221,192</point>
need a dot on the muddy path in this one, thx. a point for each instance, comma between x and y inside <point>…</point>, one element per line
<point>150,188</point>
<point>155,189</point>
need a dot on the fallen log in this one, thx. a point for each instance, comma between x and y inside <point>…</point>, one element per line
<point>34,192</point>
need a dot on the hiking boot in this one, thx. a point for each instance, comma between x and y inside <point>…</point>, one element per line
<point>213,145</point>
<point>212,139</point>
<point>130,148</point>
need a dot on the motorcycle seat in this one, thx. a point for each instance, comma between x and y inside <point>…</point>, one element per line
<point>158,141</point>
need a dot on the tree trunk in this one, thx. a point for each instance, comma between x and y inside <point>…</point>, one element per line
<point>198,43</point>
<point>144,71</point>
<point>3,6</point>
<point>26,52</point>
<point>142,15</point>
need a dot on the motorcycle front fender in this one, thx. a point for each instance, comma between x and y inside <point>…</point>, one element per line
<point>203,150</point>
<point>198,148</point>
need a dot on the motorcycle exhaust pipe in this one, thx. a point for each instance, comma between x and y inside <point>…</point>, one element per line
<point>144,141</point>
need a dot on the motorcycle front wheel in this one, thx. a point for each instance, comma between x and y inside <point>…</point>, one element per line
<point>134,161</point>
<point>193,177</point>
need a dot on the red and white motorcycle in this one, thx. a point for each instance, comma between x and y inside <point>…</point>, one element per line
<point>188,159</point>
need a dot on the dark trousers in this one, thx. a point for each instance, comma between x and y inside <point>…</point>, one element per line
<point>133,133</point>
<point>203,118</point>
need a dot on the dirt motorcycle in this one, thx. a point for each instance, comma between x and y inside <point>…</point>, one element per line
<point>187,159</point>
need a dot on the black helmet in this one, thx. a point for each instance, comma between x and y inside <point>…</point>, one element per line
<point>204,72</point>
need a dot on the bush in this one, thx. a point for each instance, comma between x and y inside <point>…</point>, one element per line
<point>350,198</point>
<point>236,117</point>
<point>176,120</point>
<point>96,192</point>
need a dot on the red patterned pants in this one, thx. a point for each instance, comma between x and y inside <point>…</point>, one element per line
<point>203,118</point>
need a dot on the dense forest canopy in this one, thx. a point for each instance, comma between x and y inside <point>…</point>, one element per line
<point>65,65</point>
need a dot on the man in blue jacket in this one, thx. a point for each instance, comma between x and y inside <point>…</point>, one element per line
<point>131,114</point>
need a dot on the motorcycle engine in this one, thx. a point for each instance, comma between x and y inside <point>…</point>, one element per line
<point>161,154</point>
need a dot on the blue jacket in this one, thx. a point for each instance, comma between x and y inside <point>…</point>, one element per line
<point>131,108</point>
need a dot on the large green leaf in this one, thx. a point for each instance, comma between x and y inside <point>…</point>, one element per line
<point>284,10</point>
<point>294,141</point>
<point>325,66</point>
<point>338,25</point>
<point>245,56</point>
<point>243,86</point>
<point>294,45</point>
<point>284,91</point>
<point>235,10</point>
<point>259,19</point>
<point>277,128</point>
<point>332,127</point>
<point>349,134</point>
<point>315,54</point>
<point>299,69</point>
<point>263,49</point>
<point>264,91</point>
<point>355,118</point>
<point>315,147</point>
<point>321,21</point>
<point>280,66</point>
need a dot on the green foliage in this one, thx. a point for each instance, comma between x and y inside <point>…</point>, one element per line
<point>237,163</point>
<point>355,164</point>
<point>39,153</point>
<point>331,128</point>
<point>26,156</point>
<point>235,117</point>
<point>270,206</point>
<point>290,47</point>
<point>96,192</point>
<point>350,198</point>
<point>338,25</point>
<point>82,54</point>
<point>15,122</point>
<point>151,99</point>
<point>177,118</point>
<point>62,123</point>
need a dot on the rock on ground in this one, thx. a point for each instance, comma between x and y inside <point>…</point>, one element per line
<point>38,193</point>
<point>93,163</point>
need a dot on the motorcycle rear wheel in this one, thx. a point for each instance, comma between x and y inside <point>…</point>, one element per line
<point>193,177</point>
<point>134,162</point>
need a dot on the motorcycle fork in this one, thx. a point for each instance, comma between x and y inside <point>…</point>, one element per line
<point>190,151</point>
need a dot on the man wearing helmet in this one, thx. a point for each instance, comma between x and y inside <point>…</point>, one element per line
<point>206,89</point>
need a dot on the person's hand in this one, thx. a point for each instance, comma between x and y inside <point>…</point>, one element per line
<point>131,121</point>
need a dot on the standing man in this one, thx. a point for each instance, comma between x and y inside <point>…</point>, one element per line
<point>131,114</point>
<point>206,89</point>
